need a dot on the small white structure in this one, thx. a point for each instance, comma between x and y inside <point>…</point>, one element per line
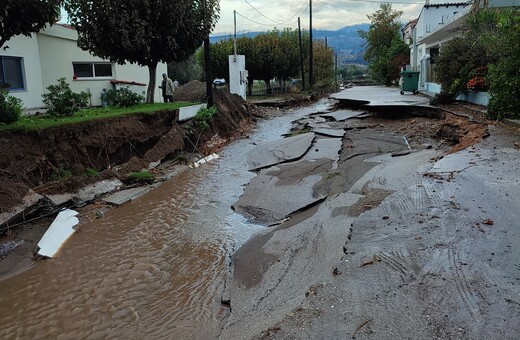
<point>30,64</point>
<point>238,75</point>
<point>60,230</point>
<point>188,112</point>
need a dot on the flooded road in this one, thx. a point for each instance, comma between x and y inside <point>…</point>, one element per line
<point>152,269</point>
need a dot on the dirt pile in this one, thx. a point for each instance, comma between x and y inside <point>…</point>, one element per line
<point>57,159</point>
<point>194,91</point>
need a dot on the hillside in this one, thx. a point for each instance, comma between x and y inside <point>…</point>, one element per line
<point>346,42</point>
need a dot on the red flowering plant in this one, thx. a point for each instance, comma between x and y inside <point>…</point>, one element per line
<point>478,82</point>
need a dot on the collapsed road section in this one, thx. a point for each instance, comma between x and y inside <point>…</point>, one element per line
<point>403,241</point>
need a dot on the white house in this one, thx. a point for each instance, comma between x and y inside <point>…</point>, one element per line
<point>30,64</point>
<point>436,25</point>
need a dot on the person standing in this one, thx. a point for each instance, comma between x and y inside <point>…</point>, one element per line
<point>167,89</point>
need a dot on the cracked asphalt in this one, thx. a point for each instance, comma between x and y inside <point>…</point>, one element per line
<point>364,245</point>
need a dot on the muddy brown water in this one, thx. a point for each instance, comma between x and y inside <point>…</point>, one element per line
<point>151,269</point>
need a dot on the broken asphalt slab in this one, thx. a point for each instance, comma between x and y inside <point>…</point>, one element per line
<point>342,115</point>
<point>280,191</point>
<point>279,151</point>
<point>339,133</point>
<point>266,200</point>
<point>374,96</point>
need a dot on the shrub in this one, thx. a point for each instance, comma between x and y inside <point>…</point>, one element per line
<point>91,172</point>
<point>10,107</point>
<point>60,173</point>
<point>205,116</point>
<point>61,101</point>
<point>121,97</point>
<point>141,177</point>
<point>503,76</point>
<point>505,89</point>
<point>442,98</point>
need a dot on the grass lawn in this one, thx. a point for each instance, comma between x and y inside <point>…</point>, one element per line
<point>44,122</point>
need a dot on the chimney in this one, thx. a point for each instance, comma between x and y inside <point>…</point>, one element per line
<point>427,2</point>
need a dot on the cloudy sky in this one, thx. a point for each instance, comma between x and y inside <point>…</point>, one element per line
<point>262,15</point>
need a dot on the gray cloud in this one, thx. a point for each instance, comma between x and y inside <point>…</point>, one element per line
<point>327,14</point>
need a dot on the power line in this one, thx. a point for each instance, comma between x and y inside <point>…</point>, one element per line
<point>280,22</point>
<point>256,22</point>
<point>391,2</point>
<point>342,7</point>
<point>262,14</point>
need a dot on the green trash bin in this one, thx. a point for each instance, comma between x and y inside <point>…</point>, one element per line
<point>410,81</point>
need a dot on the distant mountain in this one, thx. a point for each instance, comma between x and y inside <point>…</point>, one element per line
<point>346,42</point>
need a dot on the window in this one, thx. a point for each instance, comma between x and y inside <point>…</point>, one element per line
<point>11,73</point>
<point>92,70</point>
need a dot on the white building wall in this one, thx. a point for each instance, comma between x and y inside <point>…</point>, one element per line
<point>56,58</point>
<point>139,74</point>
<point>58,51</point>
<point>433,16</point>
<point>27,49</point>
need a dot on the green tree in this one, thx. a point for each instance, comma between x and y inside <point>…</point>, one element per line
<point>398,57</point>
<point>351,72</point>
<point>145,32</point>
<point>26,17</point>
<point>186,70</point>
<point>287,56</point>
<point>268,55</point>
<point>382,34</point>
<point>323,64</point>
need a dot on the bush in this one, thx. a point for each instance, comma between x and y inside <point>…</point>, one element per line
<point>61,101</point>
<point>505,89</point>
<point>141,177</point>
<point>205,116</point>
<point>121,97</point>
<point>504,75</point>
<point>91,172</point>
<point>60,173</point>
<point>442,98</point>
<point>10,107</point>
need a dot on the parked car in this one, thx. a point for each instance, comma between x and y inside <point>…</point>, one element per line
<point>219,81</point>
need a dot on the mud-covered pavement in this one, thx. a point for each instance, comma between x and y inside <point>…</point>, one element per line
<point>382,240</point>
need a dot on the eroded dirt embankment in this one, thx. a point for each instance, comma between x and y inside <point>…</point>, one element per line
<point>56,159</point>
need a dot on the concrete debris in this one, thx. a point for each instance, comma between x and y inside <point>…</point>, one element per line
<point>125,196</point>
<point>8,246</point>
<point>59,231</point>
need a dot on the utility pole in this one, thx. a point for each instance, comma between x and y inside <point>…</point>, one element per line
<point>235,35</point>
<point>207,58</point>
<point>301,53</point>
<point>336,68</point>
<point>326,43</point>
<point>311,61</point>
